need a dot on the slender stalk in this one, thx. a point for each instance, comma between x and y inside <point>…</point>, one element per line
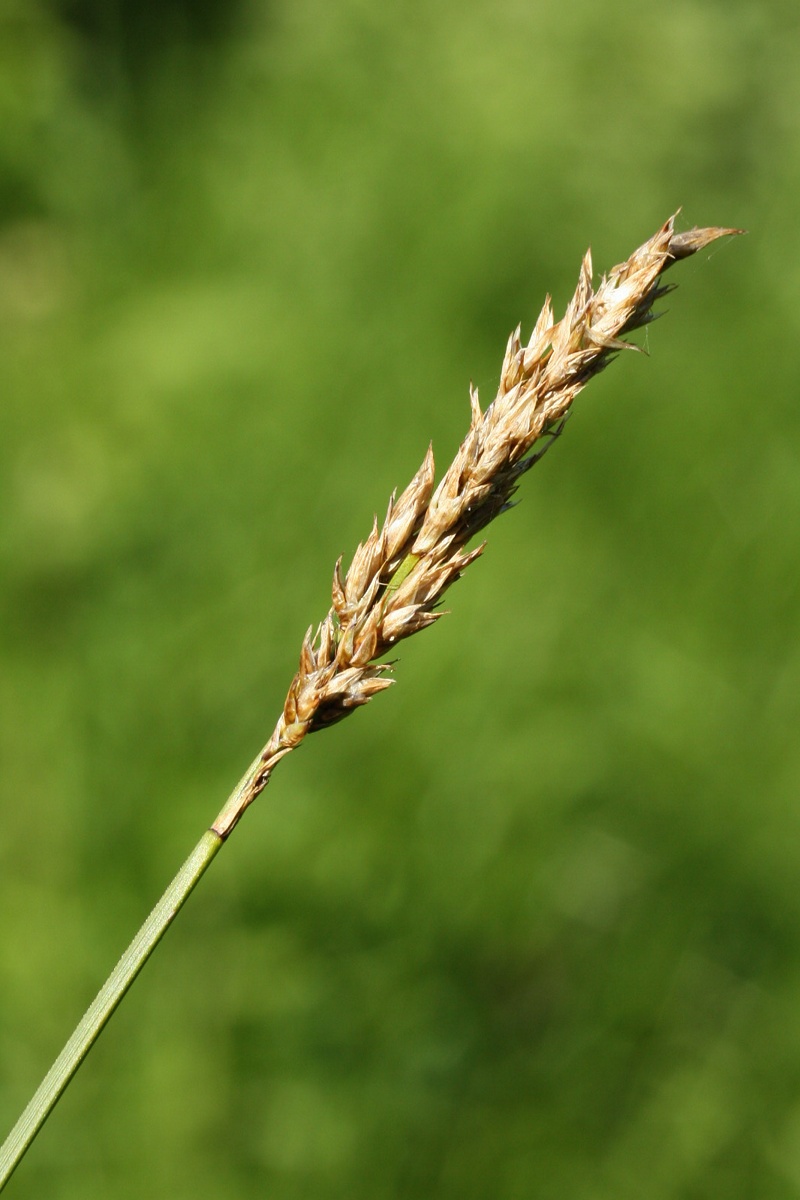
<point>103,1006</point>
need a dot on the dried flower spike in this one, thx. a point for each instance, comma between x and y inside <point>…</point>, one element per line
<point>400,573</point>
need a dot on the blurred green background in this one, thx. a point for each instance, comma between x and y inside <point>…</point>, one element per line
<point>529,925</point>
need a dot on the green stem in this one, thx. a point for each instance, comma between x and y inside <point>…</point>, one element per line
<point>140,949</point>
<point>402,572</point>
<point>103,1006</point>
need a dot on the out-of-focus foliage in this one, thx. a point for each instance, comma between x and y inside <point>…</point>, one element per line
<point>528,926</point>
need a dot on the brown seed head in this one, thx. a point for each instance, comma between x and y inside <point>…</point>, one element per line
<point>399,574</point>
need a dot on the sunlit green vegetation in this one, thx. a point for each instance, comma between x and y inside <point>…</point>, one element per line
<point>529,925</point>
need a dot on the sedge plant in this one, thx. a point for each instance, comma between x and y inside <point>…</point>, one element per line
<point>395,582</point>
